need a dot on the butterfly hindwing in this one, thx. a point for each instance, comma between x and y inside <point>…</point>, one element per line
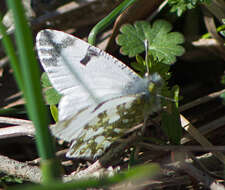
<point>94,129</point>
<point>98,127</point>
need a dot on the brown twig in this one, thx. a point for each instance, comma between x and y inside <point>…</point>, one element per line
<point>16,131</point>
<point>197,174</point>
<point>15,121</point>
<point>22,128</point>
<point>201,100</point>
<point>58,153</point>
<point>181,148</point>
<point>199,137</point>
<point>205,129</point>
<point>211,27</point>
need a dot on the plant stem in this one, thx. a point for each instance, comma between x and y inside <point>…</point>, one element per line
<point>108,20</point>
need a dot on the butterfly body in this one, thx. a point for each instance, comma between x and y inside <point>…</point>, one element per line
<point>121,98</point>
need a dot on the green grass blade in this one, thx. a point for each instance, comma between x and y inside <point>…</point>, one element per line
<point>10,51</point>
<point>136,174</point>
<point>32,91</point>
<point>108,20</point>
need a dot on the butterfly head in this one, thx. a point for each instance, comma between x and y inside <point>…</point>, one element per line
<point>155,83</point>
<point>155,86</point>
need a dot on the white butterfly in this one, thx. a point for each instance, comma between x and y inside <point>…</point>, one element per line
<point>121,98</point>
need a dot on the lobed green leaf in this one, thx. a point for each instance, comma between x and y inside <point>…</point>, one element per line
<point>162,44</point>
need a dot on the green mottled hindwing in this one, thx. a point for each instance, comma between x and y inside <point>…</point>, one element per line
<point>104,124</point>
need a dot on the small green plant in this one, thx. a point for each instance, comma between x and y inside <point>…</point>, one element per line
<point>220,29</point>
<point>180,6</point>
<point>162,46</point>
<point>223,78</point>
<point>9,179</point>
<point>222,32</point>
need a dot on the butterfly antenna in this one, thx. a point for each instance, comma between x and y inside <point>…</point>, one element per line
<point>146,56</point>
<point>165,98</point>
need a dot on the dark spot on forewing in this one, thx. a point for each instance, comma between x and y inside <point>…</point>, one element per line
<point>50,52</point>
<point>52,49</point>
<point>43,42</point>
<point>85,60</point>
<point>89,54</point>
<point>67,42</point>
<point>50,62</point>
<point>48,39</point>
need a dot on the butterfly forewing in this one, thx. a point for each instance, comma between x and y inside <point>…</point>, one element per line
<point>104,75</point>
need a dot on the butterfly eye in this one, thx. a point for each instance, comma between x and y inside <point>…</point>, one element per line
<point>151,87</point>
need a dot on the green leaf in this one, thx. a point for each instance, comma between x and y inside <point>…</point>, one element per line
<point>139,66</point>
<point>52,97</point>
<point>162,44</point>
<point>45,81</point>
<point>171,123</point>
<point>54,112</point>
<point>132,38</point>
<point>154,67</point>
